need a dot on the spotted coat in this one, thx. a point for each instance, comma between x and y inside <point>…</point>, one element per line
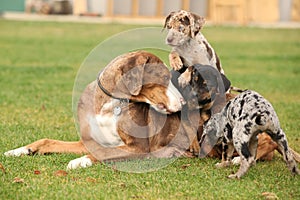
<point>237,127</point>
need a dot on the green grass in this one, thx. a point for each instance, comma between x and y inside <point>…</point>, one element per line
<point>38,66</point>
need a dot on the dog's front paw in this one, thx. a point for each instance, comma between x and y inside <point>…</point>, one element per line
<point>218,165</point>
<point>18,152</point>
<point>223,164</point>
<point>185,78</point>
<point>81,162</point>
<point>194,147</point>
<point>169,152</point>
<point>183,82</point>
<point>175,61</point>
<point>236,160</point>
<point>233,176</point>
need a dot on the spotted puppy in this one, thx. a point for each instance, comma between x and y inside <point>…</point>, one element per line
<point>189,46</point>
<point>237,127</point>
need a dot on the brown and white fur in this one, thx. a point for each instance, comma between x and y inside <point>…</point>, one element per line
<point>189,46</point>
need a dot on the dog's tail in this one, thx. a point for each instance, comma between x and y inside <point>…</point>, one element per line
<point>261,118</point>
<point>236,89</point>
<point>295,155</point>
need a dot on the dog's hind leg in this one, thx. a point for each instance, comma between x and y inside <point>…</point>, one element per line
<point>283,147</point>
<point>227,153</point>
<point>246,161</point>
<point>253,152</point>
<point>253,148</point>
<point>45,146</point>
<point>241,145</point>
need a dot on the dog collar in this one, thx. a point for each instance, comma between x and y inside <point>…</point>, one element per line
<point>124,100</point>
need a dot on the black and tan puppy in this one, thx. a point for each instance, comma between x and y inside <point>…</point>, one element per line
<point>205,94</point>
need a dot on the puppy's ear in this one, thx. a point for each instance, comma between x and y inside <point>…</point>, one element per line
<point>133,79</point>
<point>197,23</point>
<point>168,19</point>
<point>207,143</point>
<point>226,82</point>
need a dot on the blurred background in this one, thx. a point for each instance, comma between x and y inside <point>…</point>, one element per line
<point>241,12</point>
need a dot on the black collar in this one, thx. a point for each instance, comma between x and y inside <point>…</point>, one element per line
<point>109,94</point>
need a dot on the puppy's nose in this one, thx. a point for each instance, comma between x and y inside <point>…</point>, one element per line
<point>169,40</point>
<point>182,101</point>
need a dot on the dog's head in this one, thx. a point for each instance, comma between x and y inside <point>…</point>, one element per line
<point>211,135</point>
<point>182,26</point>
<point>142,77</point>
<point>206,86</point>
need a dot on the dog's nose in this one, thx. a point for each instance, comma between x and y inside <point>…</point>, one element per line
<point>182,101</point>
<point>169,40</point>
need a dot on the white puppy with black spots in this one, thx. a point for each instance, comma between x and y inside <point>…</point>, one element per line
<point>237,127</point>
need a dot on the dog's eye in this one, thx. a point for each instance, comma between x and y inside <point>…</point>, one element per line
<point>181,28</point>
<point>166,78</point>
<point>196,78</point>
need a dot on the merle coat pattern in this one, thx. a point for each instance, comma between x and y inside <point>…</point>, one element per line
<point>189,46</point>
<point>237,127</point>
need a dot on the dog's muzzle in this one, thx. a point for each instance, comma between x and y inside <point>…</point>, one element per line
<point>176,100</point>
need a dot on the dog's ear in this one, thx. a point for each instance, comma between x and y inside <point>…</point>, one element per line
<point>197,23</point>
<point>207,143</point>
<point>133,79</point>
<point>168,19</point>
<point>226,82</point>
<point>133,73</point>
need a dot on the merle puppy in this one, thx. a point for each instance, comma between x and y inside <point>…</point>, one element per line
<point>237,127</point>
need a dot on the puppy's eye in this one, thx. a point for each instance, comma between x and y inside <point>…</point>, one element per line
<point>181,28</point>
<point>196,78</point>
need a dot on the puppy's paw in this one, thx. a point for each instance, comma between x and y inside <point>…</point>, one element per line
<point>223,164</point>
<point>183,82</point>
<point>188,154</point>
<point>195,147</point>
<point>218,165</point>
<point>18,152</point>
<point>233,176</point>
<point>236,160</point>
<point>185,78</point>
<point>175,61</point>
<point>81,162</point>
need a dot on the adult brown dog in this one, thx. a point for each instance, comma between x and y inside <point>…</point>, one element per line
<point>123,114</point>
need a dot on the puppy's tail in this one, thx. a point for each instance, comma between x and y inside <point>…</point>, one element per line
<point>295,155</point>
<point>236,89</point>
<point>260,118</point>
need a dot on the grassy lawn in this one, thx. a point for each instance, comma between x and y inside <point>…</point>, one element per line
<point>38,66</point>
